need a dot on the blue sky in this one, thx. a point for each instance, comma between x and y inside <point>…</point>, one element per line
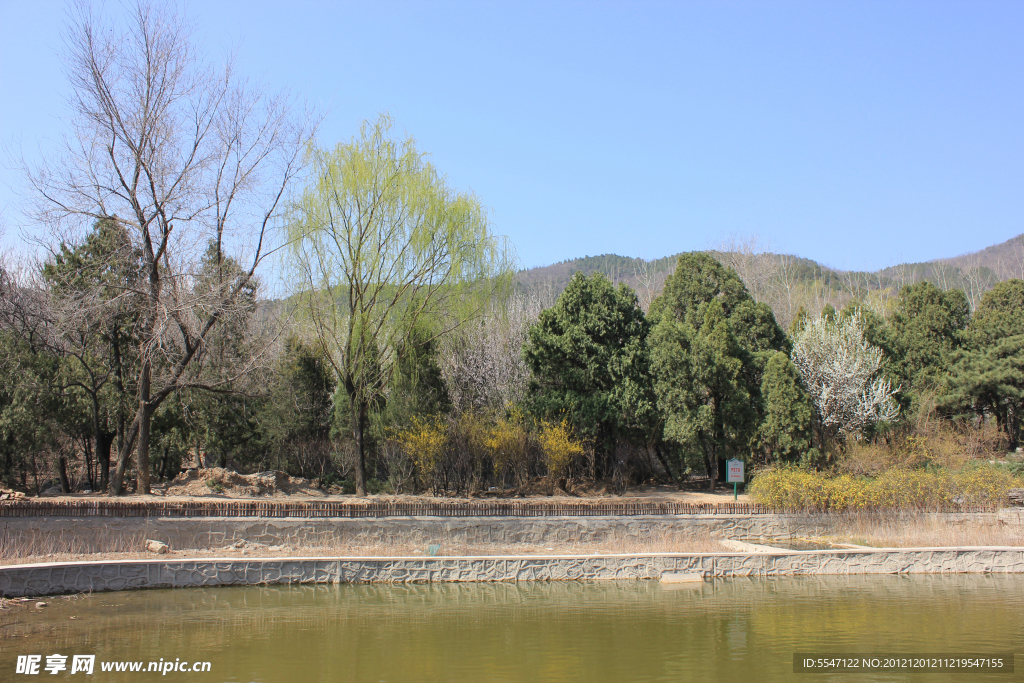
<point>859,134</point>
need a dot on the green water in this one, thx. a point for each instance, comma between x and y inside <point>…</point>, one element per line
<point>726,630</point>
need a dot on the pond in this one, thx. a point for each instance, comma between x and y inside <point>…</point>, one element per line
<point>723,630</point>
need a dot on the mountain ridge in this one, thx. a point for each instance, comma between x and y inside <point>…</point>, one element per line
<point>993,263</point>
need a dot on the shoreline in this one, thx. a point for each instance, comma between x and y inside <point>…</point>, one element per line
<point>55,578</point>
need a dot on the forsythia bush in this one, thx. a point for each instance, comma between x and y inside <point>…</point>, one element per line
<point>894,489</point>
<point>559,446</point>
<point>508,443</point>
<point>425,442</point>
<point>454,455</point>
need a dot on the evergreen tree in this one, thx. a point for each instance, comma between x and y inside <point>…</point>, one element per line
<point>709,348</point>
<point>927,326</point>
<point>701,388</point>
<point>93,308</point>
<point>785,433</point>
<point>987,375</point>
<point>587,358</point>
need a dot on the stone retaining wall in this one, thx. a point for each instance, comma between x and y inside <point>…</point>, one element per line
<point>81,577</point>
<point>92,534</point>
<point>102,534</point>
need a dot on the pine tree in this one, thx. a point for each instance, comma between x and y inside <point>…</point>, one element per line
<point>926,328</point>
<point>709,349</point>
<point>785,433</point>
<point>587,357</point>
<point>987,375</point>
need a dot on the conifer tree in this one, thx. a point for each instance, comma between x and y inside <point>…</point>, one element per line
<point>587,357</point>
<point>785,433</point>
<point>926,328</point>
<point>709,348</point>
<point>987,375</point>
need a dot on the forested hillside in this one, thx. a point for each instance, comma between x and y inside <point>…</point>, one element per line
<point>790,282</point>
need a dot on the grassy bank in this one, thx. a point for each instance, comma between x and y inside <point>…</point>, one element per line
<point>921,530</point>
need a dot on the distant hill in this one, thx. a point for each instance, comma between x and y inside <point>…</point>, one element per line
<point>1006,259</point>
<point>766,274</point>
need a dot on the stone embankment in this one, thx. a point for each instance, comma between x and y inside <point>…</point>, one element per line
<point>83,577</point>
<point>99,534</point>
<point>97,528</point>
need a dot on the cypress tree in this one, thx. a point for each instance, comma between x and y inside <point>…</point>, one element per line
<point>785,433</point>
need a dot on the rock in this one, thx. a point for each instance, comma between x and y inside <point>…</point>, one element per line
<point>41,605</point>
<point>157,547</point>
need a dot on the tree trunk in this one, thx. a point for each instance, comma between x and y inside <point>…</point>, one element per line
<point>664,463</point>
<point>165,465</point>
<point>359,430</point>
<point>711,463</point>
<point>102,443</point>
<point>116,487</point>
<point>123,455</point>
<point>145,424</point>
<point>119,385</point>
<point>90,467</point>
<point>62,472</point>
<point>104,440</point>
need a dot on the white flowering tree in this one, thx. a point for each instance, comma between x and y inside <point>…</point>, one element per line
<point>482,362</point>
<point>842,374</point>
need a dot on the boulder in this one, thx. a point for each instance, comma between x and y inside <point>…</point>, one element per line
<point>157,547</point>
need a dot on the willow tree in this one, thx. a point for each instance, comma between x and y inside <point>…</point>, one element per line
<point>387,256</point>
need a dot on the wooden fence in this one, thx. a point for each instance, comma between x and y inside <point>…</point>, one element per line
<point>369,509</point>
<point>356,509</point>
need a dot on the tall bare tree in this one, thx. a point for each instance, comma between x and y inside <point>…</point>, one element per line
<point>187,158</point>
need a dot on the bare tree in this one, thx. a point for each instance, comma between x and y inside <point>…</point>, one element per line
<point>752,260</point>
<point>975,281</point>
<point>189,160</point>
<point>482,362</point>
<point>646,283</point>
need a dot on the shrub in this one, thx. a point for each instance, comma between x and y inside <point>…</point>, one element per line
<point>921,489</point>
<point>559,446</point>
<point>508,443</point>
<point>424,441</point>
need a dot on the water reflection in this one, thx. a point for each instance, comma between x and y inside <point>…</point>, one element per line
<point>725,630</point>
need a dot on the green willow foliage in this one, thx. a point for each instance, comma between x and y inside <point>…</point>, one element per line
<point>381,247</point>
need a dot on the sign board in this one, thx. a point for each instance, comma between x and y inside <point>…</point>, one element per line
<point>734,471</point>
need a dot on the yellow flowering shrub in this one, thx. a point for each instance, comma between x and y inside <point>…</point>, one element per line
<point>559,446</point>
<point>424,441</point>
<point>507,442</point>
<point>893,489</point>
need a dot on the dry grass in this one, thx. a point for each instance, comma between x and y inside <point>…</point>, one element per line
<point>924,531</point>
<point>67,550</point>
<point>930,440</point>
